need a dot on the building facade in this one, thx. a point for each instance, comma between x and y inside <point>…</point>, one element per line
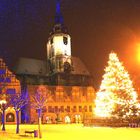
<point>65,104</point>
<point>9,86</point>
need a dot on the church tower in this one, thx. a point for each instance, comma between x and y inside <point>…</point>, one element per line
<point>59,45</point>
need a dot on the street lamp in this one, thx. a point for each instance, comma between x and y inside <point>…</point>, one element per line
<point>3,108</point>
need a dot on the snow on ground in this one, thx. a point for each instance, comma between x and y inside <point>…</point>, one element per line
<point>71,132</point>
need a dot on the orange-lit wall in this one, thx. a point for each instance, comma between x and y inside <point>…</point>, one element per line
<point>75,102</point>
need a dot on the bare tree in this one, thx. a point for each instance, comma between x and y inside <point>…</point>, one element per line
<point>38,102</point>
<point>18,102</point>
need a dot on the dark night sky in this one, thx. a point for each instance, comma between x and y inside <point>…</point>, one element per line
<point>96,27</point>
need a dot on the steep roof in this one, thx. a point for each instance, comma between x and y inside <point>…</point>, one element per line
<point>39,67</point>
<point>79,67</point>
<point>31,66</point>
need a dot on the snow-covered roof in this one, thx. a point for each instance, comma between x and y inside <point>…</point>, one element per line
<point>79,67</point>
<point>31,66</point>
<point>39,67</point>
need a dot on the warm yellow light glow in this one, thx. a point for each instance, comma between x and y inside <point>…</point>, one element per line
<point>138,52</point>
<point>3,102</point>
<point>60,47</point>
<point>116,92</point>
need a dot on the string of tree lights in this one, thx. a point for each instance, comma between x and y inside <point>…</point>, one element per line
<point>116,97</point>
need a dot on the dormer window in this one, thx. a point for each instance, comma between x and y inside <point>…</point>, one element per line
<point>65,40</point>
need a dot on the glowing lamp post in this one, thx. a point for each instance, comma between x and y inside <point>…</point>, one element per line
<point>3,108</point>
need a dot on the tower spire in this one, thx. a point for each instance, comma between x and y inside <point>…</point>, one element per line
<point>58,15</point>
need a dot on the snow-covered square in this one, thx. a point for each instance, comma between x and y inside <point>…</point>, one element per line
<point>71,132</point>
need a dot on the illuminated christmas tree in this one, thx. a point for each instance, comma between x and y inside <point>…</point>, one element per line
<point>116,96</point>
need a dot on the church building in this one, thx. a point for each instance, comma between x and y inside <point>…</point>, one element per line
<point>63,77</point>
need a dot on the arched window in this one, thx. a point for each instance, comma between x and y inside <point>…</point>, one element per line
<point>65,40</point>
<point>67,119</point>
<point>10,117</point>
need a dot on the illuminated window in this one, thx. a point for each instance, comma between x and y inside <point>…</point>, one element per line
<point>10,117</point>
